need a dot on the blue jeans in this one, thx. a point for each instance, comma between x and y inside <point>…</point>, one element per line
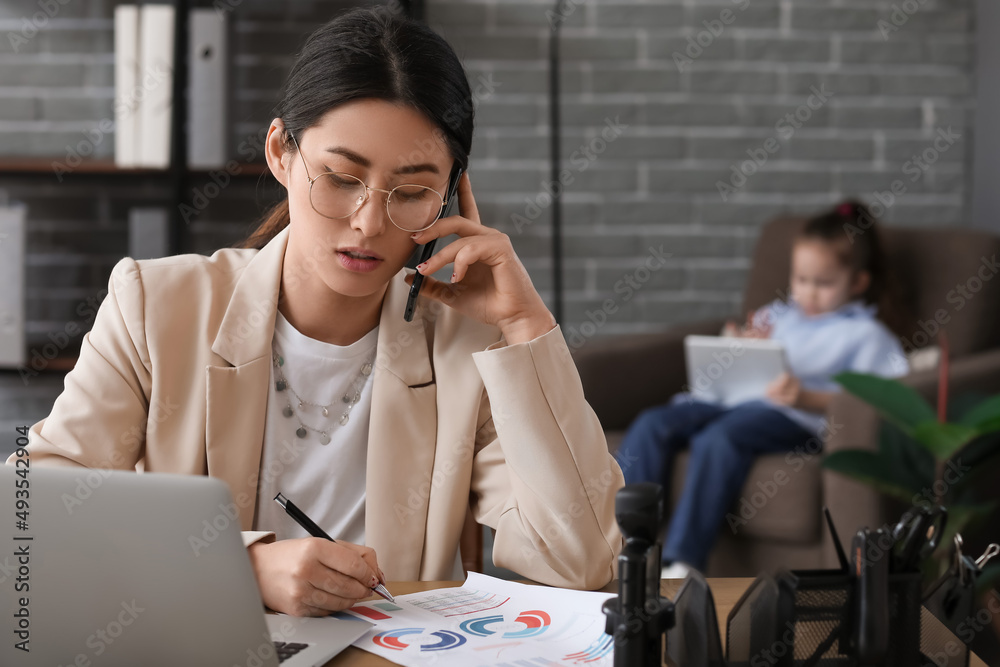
<point>724,443</point>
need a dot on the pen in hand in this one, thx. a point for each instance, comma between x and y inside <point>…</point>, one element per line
<point>314,530</point>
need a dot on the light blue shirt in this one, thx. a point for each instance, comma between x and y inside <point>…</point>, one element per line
<point>818,347</point>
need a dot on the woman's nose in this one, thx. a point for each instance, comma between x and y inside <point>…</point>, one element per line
<point>370,218</point>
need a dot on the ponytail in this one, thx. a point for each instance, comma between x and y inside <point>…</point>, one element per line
<point>274,221</point>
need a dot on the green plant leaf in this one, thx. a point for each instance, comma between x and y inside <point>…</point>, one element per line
<point>911,463</point>
<point>895,401</point>
<point>871,468</point>
<point>976,466</point>
<point>985,417</point>
<point>943,440</point>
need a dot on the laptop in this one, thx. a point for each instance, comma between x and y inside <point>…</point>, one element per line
<point>122,569</point>
<point>729,370</point>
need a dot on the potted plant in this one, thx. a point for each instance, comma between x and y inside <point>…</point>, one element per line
<point>924,458</point>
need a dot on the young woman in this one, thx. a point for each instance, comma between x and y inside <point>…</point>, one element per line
<point>830,324</point>
<point>288,366</point>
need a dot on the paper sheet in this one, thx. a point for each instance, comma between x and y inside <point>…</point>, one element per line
<point>489,622</point>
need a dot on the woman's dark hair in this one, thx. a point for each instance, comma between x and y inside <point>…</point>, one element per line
<point>850,229</point>
<point>372,53</point>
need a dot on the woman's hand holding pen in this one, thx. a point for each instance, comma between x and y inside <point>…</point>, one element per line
<point>313,576</point>
<point>489,283</point>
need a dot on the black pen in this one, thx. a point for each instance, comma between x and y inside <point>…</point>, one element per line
<point>314,530</point>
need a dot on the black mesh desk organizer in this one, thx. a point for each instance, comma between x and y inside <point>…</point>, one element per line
<point>820,618</point>
<point>804,619</point>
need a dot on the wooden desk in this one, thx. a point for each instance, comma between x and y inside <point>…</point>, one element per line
<point>725,591</point>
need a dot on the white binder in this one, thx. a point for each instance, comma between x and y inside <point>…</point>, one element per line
<point>126,77</point>
<point>208,56</point>
<point>156,81</point>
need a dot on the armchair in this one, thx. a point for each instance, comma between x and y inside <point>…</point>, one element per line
<point>948,279</point>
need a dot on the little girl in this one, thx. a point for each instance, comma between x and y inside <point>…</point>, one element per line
<point>829,325</point>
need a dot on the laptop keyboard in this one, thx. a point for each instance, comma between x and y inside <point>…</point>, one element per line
<point>287,649</point>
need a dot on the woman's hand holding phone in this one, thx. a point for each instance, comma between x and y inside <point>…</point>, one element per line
<point>489,283</point>
<point>313,576</point>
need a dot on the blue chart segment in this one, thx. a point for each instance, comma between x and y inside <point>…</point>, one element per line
<point>448,638</point>
<point>600,648</point>
<point>480,626</point>
<point>395,639</point>
<point>536,620</point>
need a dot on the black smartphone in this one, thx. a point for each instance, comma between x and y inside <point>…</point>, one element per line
<point>427,249</point>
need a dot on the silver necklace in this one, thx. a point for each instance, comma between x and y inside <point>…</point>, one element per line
<point>350,398</point>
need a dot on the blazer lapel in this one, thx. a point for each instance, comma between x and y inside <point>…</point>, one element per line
<point>401,438</point>
<point>236,394</point>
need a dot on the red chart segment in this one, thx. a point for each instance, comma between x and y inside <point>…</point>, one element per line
<point>537,621</point>
<point>373,614</point>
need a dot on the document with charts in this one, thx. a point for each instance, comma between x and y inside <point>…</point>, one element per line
<point>489,622</point>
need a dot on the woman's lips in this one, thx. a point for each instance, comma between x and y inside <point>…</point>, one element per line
<point>357,264</point>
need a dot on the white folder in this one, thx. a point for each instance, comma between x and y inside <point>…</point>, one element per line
<point>126,76</point>
<point>156,80</point>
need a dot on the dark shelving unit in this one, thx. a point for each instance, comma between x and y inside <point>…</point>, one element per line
<point>178,178</point>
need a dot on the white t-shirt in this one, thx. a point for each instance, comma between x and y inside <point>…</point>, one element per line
<point>327,482</point>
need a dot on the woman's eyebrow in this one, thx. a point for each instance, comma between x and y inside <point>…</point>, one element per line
<point>366,163</point>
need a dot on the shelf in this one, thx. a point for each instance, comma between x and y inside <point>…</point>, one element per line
<point>26,166</point>
<point>42,165</point>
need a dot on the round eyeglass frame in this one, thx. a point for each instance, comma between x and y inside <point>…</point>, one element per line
<point>312,180</point>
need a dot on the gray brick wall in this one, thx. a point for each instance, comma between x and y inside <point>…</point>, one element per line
<point>697,83</point>
<point>691,120</point>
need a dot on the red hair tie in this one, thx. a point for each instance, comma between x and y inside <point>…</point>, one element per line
<point>845,209</point>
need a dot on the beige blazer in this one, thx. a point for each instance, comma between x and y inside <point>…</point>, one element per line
<point>174,377</point>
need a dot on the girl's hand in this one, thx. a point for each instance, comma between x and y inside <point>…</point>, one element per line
<point>313,576</point>
<point>751,330</point>
<point>748,330</point>
<point>489,282</point>
<point>785,390</point>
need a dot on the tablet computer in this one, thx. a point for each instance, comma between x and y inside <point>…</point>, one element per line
<point>729,370</point>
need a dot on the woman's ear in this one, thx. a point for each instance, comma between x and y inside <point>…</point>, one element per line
<point>862,281</point>
<point>278,158</point>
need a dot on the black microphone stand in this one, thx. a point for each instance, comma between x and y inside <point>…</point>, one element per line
<point>639,617</point>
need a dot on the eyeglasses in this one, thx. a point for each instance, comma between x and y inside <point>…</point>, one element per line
<point>337,195</point>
